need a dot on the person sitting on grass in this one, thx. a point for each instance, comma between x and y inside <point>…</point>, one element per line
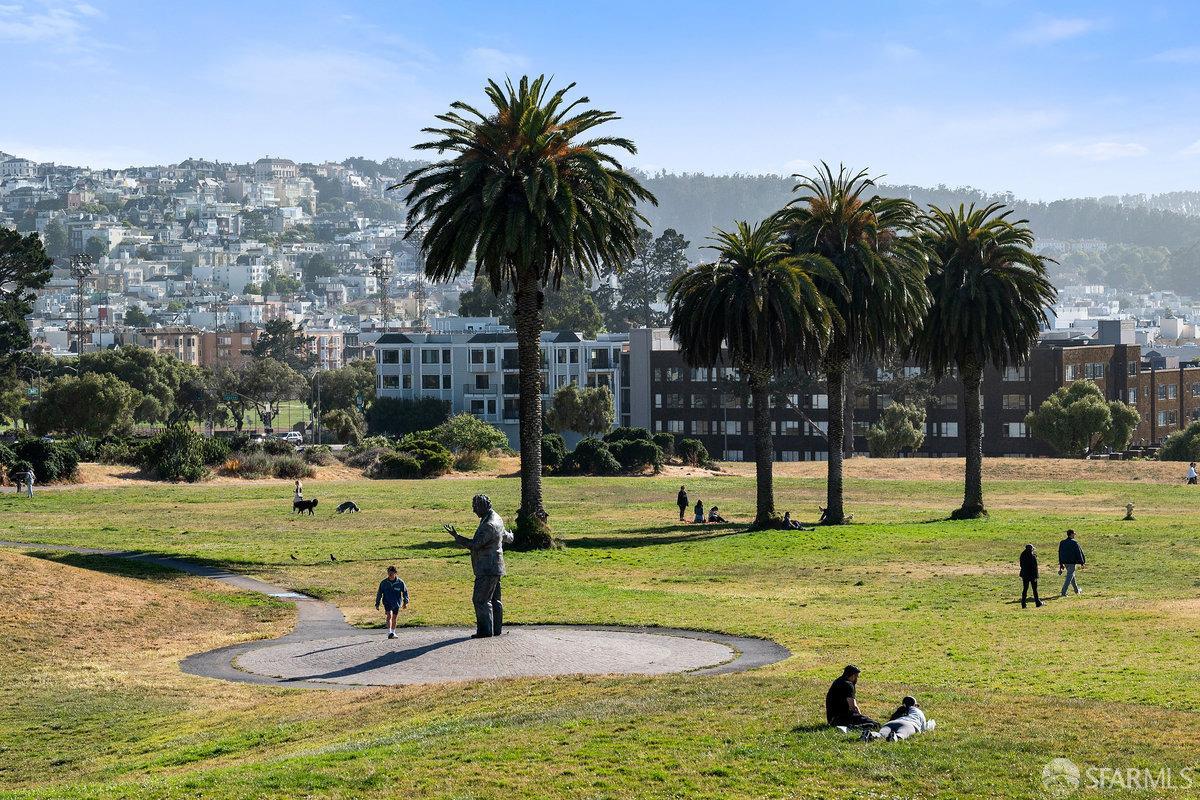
<point>699,510</point>
<point>790,524</point>
<point>907,720</point>
<point>394,595</point>
<point>841,704</point>
<point>715,515</point>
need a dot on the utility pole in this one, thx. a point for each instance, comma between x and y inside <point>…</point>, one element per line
<point>81,270</point>
<point>381,268</point>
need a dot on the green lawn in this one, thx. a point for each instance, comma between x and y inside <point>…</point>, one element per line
<point>923,605</point>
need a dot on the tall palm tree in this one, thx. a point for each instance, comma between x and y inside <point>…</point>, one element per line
<point>761,309</point>
<point>869,240</point>
<point>530,194</point>
<point>989,295</point>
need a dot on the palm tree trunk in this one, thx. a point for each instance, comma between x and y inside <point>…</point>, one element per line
<point>835,383</point>
<point>972,507</point>
<point>531,531</point>
<point>764,451</point>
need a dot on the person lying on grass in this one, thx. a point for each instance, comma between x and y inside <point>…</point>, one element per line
<point>394,595</point>
<point>907,720</point>
<point>714,515</point>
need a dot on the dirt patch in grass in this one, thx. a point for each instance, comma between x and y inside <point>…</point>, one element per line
<point>951,469</point>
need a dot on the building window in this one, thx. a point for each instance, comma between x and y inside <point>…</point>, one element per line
<point>1133,397</point>
<point>1168,391</point>
<point>407,382</point>
<point>789,427</point>
<point>1133,368</point>
<point>476,356</point>
<point>477,407</point>
<point>818,428</point>
<point>1014,402</point>
<point>789,455</point>
<point>1093,371</point>
<point>673,374</point>
<point>1015,430</point>
<point>861,427</point>
<point>675,425</point>
<point>699,374</point>
<point>820,401</point>
<point>574,356</point>
<point>658,401</point>
<point>944,430</point>
<point>390,356</point>
<point>701,400</point>
<point>673,401</point>
<point>1196,390</point>
<point>445,356</point>
<point>512,409</point>
<point>429,356</point>
<point>391,381</point>
<point>1073,372</point>
<point>483,382</point>
<point>446,382</point>
<point>1021,373</point>
<point>431,382</point>
<point>1168,418</point>
<point>406,357</point>
<point>730,401</point>
<point>733,455</point>
<point>560,356</point>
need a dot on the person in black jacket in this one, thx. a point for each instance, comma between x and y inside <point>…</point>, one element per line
<point>1070,556</point>
<point>841,704</point>
<point>1029,576</point>
<point>682,502</point>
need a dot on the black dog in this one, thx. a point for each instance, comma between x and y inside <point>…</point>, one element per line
<point>348,507</point>
<point>300,506</point>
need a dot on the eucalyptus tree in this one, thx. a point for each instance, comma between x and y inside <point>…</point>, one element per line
<point>528,193</point>
<point>761,310</point>
<point>989,295</point>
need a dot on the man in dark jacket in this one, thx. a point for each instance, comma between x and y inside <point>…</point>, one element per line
<point>1029,576</point>
<point>841,707</point>
<point>1070,556</point>
<point>682,501</point>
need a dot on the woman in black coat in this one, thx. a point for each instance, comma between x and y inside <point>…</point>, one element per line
<point>1029,575</point>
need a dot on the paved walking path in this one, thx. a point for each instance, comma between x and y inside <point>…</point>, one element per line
<point>324,651</point>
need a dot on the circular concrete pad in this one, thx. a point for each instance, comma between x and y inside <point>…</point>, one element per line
<point>443,655</point>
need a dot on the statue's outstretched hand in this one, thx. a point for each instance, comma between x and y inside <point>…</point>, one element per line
<point>450,530</point>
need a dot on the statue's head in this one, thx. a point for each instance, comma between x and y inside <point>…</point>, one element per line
<point>481,505</point>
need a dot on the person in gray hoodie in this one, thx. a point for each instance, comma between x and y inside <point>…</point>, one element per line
<point>907,720</point>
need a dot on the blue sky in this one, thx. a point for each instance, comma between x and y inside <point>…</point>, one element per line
<point>1043,99</point>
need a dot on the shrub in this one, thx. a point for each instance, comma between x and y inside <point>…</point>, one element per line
<point>434,459</point>
<point>118,451</point>
<point>634,455</point>
<point>666,443</point>
<point>7,456</point>
<point>554,452</point>
<point>627,434</point>
<point>693,452</point>
<point>176,454</point>
<point>592,457</point>
<point>277,447</point>
<point>215,451</point>
<point>401,416</point>
<point>366,458</point>
<point>321,455</point>
<point>253,464</point>
<point>50,461</point>
<point>292,466</point>
<point>1182,445</point>
<point>394,464</point>
<point>468,438</point>
<point>84,446</point>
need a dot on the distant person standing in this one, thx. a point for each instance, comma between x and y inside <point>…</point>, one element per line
<point>1070,557</point>
<point>1191,474</point>
<point>1029,576</point>
<point>394,595</point>
<point>298,494</point>
<point>681,500</point>
<point>24,478</point>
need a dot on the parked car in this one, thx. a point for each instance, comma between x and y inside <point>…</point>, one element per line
<point>292,437</point>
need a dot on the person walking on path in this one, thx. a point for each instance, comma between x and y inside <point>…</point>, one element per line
<point>487,562</point>
<point>1192,474</point>
<point>841,705</point>
<point>682,501</point>
<point>1029,576</point>
<point>394,595</point>
<point>1070,557</point>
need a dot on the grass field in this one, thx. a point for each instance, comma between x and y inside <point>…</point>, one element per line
<point>95,705</point>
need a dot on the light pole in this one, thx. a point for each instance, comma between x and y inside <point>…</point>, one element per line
<point>81,270</point>
<point>381,268</point>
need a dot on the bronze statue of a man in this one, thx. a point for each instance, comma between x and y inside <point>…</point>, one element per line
<point>487,561</point>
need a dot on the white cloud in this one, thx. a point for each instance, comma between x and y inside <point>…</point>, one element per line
<point>1178,55</point>
<point>1049,30</point>
<point>291,74</point>
<point>900,52</point>
<point>1098,151</point>
<point>1192,149</point>
<point>495,63</point>
<point>49,23</point>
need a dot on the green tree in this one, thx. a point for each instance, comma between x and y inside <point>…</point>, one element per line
<point>572,308</point>
<point>587,411</point>
<point>481,301</point>
<point>24,268</point>
<point>901,427</point>
<point>344,388</point>
<point>94,405</point>
<point>282,341</point>
<point>136,318</point>
<point>267,383</point>
<point>1182,445</point>
<point>55,238</point>
<point>318,266</point>
<point>645,277</point>
<point>96,247</point>
<point>469,438</point>
<point>881,296</point>
<point>530,197</point>
<point>400,416</point>
<point>346,424</point>
<point>1076,419</point>
<point>156,376</point>
<point>989,292</point>
<point>761,310</point>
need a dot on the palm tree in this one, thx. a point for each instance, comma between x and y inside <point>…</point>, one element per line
<point>989,293</point>
<point>869,240</point>
<point>760,308</point>
<point>530,197</point>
